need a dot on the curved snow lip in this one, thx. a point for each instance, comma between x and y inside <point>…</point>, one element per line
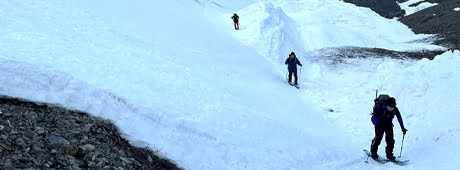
<point>44,84</point>
<point>271,32</point>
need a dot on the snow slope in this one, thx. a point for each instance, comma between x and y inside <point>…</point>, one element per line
<point>410,10</point>
<point>177,77</point>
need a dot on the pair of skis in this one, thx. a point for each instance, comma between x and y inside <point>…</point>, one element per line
<point>290,83</point>
<point>384,161</point>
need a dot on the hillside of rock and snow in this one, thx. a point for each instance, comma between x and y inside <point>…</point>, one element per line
<point>176,77</point>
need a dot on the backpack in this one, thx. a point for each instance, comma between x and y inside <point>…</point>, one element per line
<point>379,101</point>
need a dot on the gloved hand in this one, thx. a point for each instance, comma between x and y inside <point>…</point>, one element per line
<point>404,130</point>
<point>300,65</point>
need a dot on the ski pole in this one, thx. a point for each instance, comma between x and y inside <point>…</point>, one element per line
<point>300,74</point>
<point>373,140</point>
<point>402,143</point>
<point>287,74</point>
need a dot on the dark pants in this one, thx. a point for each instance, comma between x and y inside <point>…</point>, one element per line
<point>295,75</point>
<point>237,25</point>
<point>379,130</point>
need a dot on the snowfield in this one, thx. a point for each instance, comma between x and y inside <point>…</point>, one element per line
<point>413,9</point>
<point>176,76</point>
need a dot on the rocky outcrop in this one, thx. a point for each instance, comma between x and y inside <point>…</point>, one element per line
<point>441,19</point>
<point>385,8</point>
<point>46,137</point>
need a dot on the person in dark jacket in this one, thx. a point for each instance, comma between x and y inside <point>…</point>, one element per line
<point>235,21</point>
<point>382,119</point>
<point>292,63</point>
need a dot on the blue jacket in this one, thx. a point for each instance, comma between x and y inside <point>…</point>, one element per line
<point>292,63</point>
<point>383,117</point>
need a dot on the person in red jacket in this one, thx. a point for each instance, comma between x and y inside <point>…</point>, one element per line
<point>235,21</point>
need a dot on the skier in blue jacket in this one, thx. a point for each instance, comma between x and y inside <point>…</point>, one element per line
<point>292,63</point>
<point>382,119</point>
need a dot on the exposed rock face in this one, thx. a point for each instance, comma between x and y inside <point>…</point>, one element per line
<point>385,8</point>
<point>441,19</point>
<point>43,137</point>
<point>338,56</point>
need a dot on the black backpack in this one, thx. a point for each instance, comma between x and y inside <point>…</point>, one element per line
<point>382,99</point>
<point>379,101</point>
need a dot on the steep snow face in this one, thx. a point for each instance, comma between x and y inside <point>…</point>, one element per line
<point>320,28</point>
<point>270,31</point>
<point>421,6</point>
<point>348,25</point>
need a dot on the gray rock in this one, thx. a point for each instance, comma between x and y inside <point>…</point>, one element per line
<point>91,164</point>
<point>87,127</point>
<point>24,159</point>
<point>13,137</point>
<point>107,168</point>
<point>87,147</point>
<point>76,167</point>
<point>9,114</point>
<point>101,162</point>
<point>6,147</point>
<point>39,130</point>
<point>4,137</point>
<point>9,167</point>
<point>8,162</point>
<point>9,123</point>
<point>54,151</point>
<point>13,132</point>
<point>71,159</point>
<point>30,169</point>
<point>125,160</point>
<point>54,139</point>
<point>70,150</point>
<point>20,142</point>
<point>149,159</point>
<point>2,127</point>
<point>65,123</point>
<point>36,147</point>
<point>74,141</point>
<point>35,162</point>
